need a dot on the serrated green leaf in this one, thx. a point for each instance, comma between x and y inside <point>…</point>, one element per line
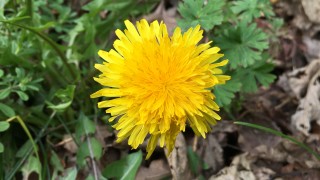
<point>4,125</point>
<point>243,45</point>
<point>196,12</point>
<point>250,9</point>
<point>252,76</point>
<point>7,110</point>
<point>225,92</point>
<point>125,168</point>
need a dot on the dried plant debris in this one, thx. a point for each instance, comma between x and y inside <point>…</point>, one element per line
<point>309,106</point>
<point>312,10</point>
<point>242,168</point>
<point>304,83</point>
<point>211,152</point>
<point>158,169</point>
<point>297,81</point>
<point>178,160</point>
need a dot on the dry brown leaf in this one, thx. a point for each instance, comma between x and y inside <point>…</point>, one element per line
<point>211,152</point>
<point>168,16</point>
<point>68,144</point>
<point>250,138</point>
<point>240,168</point>
<point>299,79</point>
<point>312,10</point>
<point>157,170</point>
<point>313,46</point>
<point>178,160</point>
<point>102,134</point>
<point>309,106</point>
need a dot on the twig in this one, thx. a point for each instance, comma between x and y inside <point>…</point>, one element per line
<point>94,167</point>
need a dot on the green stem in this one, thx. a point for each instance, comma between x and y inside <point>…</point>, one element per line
<point>30,8</point>
<point>53,44</point>
<point>17,166</point>
<point>277,133</point>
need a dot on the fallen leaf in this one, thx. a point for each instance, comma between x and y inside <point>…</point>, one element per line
<point>178,160</point>
<point>158,169</point>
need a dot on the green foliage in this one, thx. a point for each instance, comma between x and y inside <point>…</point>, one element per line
<point>65,98</point>
<point>3,127</point>
<point>242,45</point>
<point>125,168</point>
<point>47,53</point>
<point>225,92</point>
<point>259,73</point>
<point>232,27</point>
<point>195,162</point>
<point>196,12</point>
<point>31,165</point>
<point>247,10</point>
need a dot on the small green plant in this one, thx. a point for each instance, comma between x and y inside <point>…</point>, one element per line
<point>232,26</point>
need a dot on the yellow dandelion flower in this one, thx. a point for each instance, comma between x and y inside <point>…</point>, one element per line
<point>156,84</point>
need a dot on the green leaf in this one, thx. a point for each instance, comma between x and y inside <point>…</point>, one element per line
<point>7,110</point>
<point>84,127</point>
<point>1,73</point>
<point>1,148</point>
<point>125,168</point>
<point>225,92</point>
<point>84,150</point>
<point>24,149</point>
<point>196,12</point>
<point>22,95</point>
<point>5,93</point>
<point>55,162</point>
<point>71,174</point>
<point>247,10</point>
<point>4,125</point>
<point>242,45</point>
<point>65,96</point>
<point>31,165</point>
<point>195,162</point>
<point>252,76</point>
<point>10,58</point>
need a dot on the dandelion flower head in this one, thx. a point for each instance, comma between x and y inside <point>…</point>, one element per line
<point>155,84</point>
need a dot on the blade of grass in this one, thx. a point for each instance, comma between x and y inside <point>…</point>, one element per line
<point>45,169</point>
<point>26,130</point>
<point>277,133</point>
<point>22,160</point>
